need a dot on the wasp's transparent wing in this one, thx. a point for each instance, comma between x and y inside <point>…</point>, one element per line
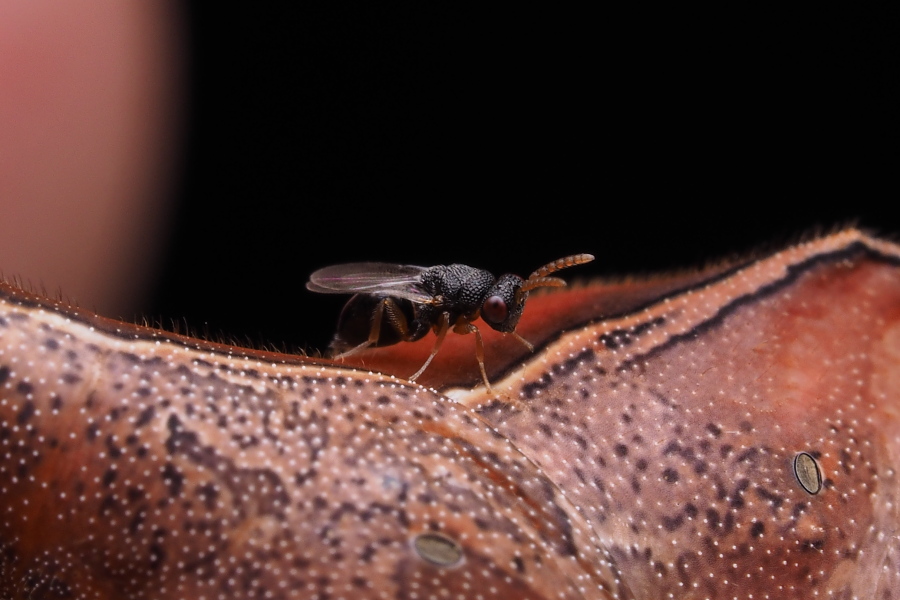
<point>399,281</point>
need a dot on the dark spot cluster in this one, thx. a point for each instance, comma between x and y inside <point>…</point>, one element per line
<point>620,338</point>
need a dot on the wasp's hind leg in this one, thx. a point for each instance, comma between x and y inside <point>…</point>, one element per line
<point>386,310</point>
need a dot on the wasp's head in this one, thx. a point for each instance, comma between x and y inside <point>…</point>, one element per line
<point>504,302</point>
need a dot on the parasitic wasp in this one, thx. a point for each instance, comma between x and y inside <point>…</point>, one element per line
<point>400,303</point>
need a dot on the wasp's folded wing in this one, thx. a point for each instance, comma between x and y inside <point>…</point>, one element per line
<point>400,281</point>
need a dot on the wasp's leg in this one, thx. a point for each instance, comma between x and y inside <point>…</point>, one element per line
<point>528,344</point>
<point>443,326</point>
<point>464,328</point>
<point>395,318</point>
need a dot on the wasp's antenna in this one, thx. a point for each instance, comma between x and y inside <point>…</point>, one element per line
<point>539,278</point>
<point>536,282</point>
<point>562,263</point>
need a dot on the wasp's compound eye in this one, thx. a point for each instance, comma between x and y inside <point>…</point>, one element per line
<point>495,310</point>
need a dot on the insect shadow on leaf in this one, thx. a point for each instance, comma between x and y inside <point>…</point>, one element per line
<point>400,303</point>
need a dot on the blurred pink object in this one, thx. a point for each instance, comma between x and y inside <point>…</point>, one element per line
<point>89,111</point>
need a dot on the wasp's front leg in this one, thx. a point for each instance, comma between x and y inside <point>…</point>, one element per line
<point>463,327</point>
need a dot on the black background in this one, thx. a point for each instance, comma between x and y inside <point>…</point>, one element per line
<point>654,138</point>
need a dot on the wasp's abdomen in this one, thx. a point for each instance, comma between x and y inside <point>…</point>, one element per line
<point>355,323</point>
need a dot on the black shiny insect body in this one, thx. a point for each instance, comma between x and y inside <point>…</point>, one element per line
<point>457,290</point>
<point>461,292</point>
<point>354,325</point>
<point>394,303</point>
